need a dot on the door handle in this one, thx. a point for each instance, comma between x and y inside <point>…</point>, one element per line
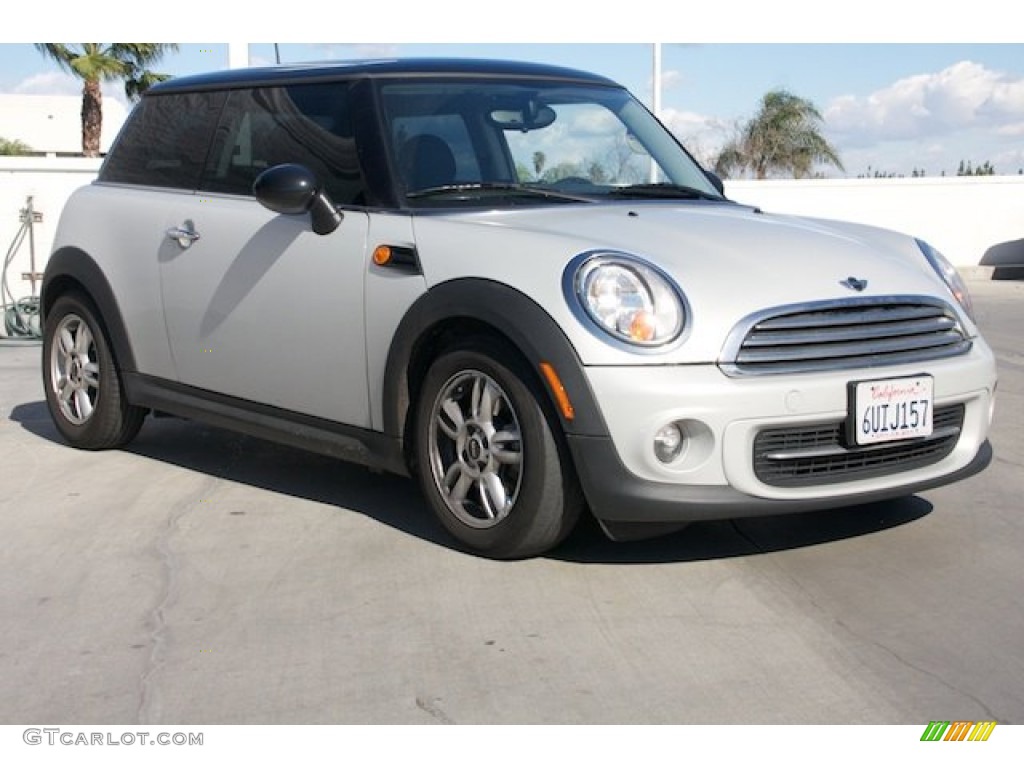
<point>184,237</point>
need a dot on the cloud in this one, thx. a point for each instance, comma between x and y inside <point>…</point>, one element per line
<point>1015,129</point>
<point>591,122</point>
<point>704,136</point>
<point>962,96</point>
<point>50,83</point>
<point>670,78</point>
<point>330,51</point>
<point>376,51</point>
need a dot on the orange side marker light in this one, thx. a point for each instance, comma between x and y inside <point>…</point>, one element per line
<point>558,389</point>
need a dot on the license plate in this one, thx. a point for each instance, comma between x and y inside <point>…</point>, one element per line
<point>885,410</point>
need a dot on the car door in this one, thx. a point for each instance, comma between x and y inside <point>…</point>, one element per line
<point>257,306</point>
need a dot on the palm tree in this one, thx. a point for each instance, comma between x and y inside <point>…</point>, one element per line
<point>783,136</point>
<point>93,62</point>
<point>539,158</point>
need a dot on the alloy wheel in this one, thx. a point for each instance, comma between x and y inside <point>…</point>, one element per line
<point>476,449</point>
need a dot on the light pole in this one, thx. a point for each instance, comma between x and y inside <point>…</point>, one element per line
<point>238,55</point>
<point>656,101</point>
<point>657,81</point>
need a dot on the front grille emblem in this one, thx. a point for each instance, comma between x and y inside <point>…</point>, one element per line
<point>854,284</point>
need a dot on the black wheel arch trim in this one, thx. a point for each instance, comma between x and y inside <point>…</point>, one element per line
<point>71,264</point>
<point>514,315</point>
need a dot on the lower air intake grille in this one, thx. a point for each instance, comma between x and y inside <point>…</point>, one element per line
<point>815,454</point>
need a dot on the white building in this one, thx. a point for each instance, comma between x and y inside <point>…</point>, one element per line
<point>52,125</point>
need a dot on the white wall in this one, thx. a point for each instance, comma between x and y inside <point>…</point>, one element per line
<point>49,181</point>
<point>52,124</point>
<point>961,216</point>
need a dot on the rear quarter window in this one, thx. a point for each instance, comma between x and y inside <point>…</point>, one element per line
<point>165,141</point>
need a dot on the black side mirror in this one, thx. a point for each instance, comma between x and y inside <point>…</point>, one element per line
<point>716,182</point>
<point>294,189</point>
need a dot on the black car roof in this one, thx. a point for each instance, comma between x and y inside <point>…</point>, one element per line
<point>385,68</point>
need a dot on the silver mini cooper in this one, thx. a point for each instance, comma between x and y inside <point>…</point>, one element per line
<point>512,282</point>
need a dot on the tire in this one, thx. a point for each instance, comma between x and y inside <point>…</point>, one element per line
<point>495,472</point>
<point>83,385</point>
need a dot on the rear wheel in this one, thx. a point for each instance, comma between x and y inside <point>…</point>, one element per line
<point>83,386</point>
<point>489,461</point>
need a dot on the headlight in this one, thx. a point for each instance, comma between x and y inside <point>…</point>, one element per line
<point>949,275</point>
<point>627,298</point>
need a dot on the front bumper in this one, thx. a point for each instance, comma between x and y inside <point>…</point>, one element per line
<point>616,495</point>
<point>715,478</point>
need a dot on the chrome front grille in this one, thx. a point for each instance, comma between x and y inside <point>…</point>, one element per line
<point>816,454</point>
<point>837,335</point>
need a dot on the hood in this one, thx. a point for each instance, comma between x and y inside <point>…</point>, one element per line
<point>729,260</point>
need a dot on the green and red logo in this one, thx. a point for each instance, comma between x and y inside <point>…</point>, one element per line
<point>959,730</point>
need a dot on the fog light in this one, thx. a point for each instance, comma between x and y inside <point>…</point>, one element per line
<point>668,443</point>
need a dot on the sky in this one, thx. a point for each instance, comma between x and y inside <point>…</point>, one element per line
<point>896,93</point>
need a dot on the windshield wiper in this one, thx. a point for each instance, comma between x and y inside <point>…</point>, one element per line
<point>664,190</point>
<point>495,186</point>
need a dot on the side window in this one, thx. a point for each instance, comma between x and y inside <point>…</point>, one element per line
<point>164,142</point>
<point>308,124</point>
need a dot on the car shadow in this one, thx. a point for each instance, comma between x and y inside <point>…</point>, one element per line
<point>396,501</point>
<point>722,539</point>
<point>390,499</point>
<point>35,418</point>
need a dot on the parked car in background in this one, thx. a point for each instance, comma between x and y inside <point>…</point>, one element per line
<point>512,282</point>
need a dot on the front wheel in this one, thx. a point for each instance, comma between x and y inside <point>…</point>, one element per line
<point>82,383</point>
<point>489,461</point>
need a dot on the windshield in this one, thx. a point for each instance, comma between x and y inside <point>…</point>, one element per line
<point>463,142</point>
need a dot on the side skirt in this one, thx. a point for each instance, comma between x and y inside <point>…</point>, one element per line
<point>299,430</point>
